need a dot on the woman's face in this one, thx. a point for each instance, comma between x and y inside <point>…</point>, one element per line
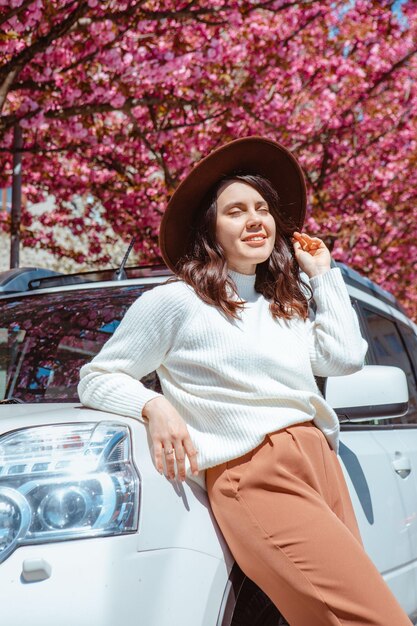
<point>245,228</point>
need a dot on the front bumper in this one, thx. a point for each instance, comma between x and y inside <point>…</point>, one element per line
<point>105,581</point>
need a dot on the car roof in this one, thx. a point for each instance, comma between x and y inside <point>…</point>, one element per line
<point>30,280</point>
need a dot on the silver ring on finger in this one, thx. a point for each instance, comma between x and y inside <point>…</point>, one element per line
<point>169,451</point>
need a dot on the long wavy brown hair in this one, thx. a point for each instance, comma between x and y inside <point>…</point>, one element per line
<point>204,264</point>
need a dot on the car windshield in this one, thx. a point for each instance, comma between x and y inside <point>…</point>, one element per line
<point>46,338</point>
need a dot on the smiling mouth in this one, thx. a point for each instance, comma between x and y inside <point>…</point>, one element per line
<point>256,238</point>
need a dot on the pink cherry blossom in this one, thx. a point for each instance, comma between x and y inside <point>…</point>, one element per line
<point>118,101</point>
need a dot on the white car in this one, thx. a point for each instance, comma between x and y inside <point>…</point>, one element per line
<point>92,535</point>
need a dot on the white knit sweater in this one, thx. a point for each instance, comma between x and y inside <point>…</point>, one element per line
<point>232,381</point>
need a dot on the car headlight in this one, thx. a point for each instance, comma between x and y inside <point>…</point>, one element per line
<point>66,481</point>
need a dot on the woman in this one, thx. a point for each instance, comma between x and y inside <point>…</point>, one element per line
<point>236,354</point>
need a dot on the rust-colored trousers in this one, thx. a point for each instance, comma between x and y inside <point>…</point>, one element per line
<point>285,511</point>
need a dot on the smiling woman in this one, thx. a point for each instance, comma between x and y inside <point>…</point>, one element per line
<point>236,352</point>
<point>245,227</point>
<point>234,211</point>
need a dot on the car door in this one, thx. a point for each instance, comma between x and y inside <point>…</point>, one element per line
<point>375,490</point>
<point>398,438</point>
<point>406,427</point>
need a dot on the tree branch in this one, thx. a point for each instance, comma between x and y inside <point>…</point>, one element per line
<point>15,65</point>
<point>32,85</point>
<point>38,149</point>
<point>15,11</point>
<point>265,5</point>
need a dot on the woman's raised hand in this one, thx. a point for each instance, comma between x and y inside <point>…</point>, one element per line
<point>169,431</point>
<point>311,253</point>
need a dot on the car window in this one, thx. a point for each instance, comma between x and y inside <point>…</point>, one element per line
<point>45,339</point>
<point>389,347</point>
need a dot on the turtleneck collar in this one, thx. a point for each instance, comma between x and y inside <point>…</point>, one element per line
<point>245,285</point>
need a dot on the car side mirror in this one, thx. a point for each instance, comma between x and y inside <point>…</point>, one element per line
<point>374,392</point>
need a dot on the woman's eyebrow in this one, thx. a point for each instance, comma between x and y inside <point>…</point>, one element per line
<point>229,205</point>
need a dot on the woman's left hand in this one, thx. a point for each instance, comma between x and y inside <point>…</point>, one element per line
<point>311,253</point>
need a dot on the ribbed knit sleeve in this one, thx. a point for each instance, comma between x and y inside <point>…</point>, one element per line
<point>111,380</point>
<point>336,345</point>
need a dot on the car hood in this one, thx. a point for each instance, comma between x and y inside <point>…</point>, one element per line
<point>15,416</point>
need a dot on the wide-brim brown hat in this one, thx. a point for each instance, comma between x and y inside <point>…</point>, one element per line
<point>251,155</point>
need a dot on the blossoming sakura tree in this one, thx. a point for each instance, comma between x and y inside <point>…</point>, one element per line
<point>117,99</point>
